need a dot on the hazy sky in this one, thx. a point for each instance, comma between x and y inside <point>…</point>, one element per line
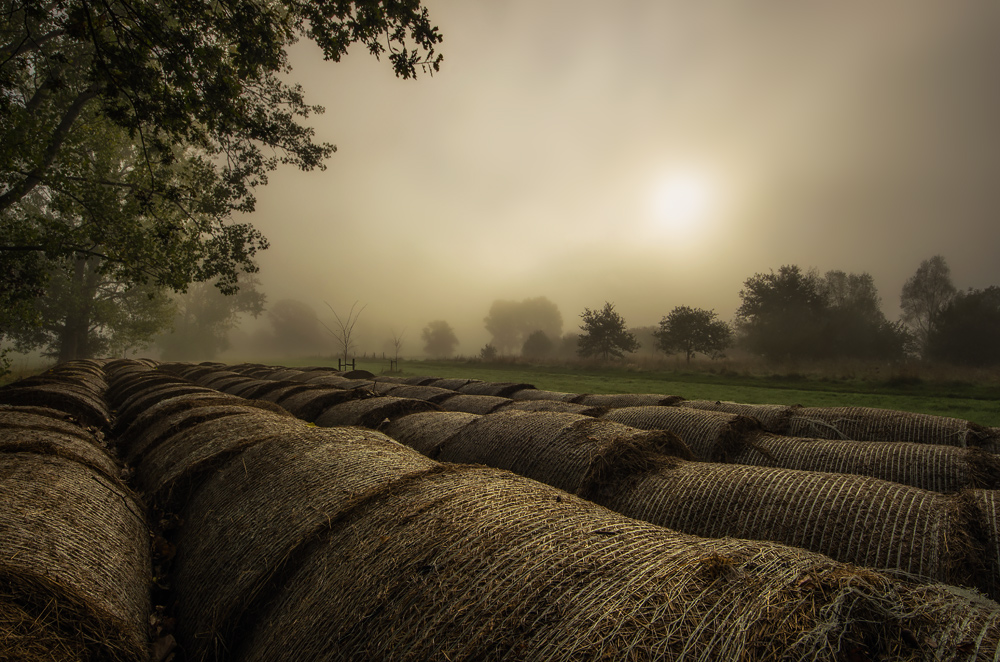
<point>652,153</point>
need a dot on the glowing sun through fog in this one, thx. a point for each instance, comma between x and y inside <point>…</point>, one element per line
<point>682,200</point>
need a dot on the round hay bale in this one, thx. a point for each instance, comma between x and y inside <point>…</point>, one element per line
<point>75,552</point>
<point>258,511</point>
<point>168,472</point>
<point>224,384</point>
<point>143,400</point>
<point>554,405</point>
<point>357,374</point>
<point>126,431</point>
<point>567,451</point>
<point>266,387</point>
<point>854,519</point>
<point>73,447</point>
<point>219,378</point>
<point>539,394</point>
<point>184,416</point>
<point>499,389</point>
<point>286,373</point>
<point>245,388</point>
<point>287,389</point>
<point>41,419</point>
<point>474,564</point>
<point>453,383</point>
<point>426,432</point>
<point>983,511</point>
<point>773,418</point>
<point>371,412</point>
<point>309,404</point>
<point>927,466</point>
<point>420,380</point>
<point>428,393</point>
<point>870,424</point>
<point>711,436</point>
<point>472,404</point>
<point>123,390</point>
<point>615,400</point>
<point>87,407</point>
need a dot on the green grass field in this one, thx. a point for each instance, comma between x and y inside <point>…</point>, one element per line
<point>979,403</point>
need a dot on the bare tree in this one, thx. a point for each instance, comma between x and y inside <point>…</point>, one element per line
<point>397,342</point>
<point>345,328</point>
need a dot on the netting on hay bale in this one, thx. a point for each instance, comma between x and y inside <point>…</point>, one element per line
<point>265,388</point>
<point>855,519</point>
<point>140,402</point>
<point>870,424</point>
<point>428,393</point>
<point>74,559</point>
<point>615,400</point>
<point>339,381</point>
<point>371,412</point>
<point>711,436</point>
<point>453,383</point>
<point>554,405</point>
<point>41,418</point>
<point>419,380</point>
<point>256,512</point>
<point>307,405</point>
<point>191,371</point>
<point>539,394</point>
<point>983,508</point>
<point>245,388</point>
<point>500,389</point>
<point>472,404</point>
<point>567,451</point>
<point>285,373</point>
<point>474,564</point>
<point>215,378</point>
<point>426,432</point>
<point>225,383</point>
<point>139,384</point>
<point>148,432</point>
<point>23,434</point>
<point>927,466</point>
<point>773,418</point>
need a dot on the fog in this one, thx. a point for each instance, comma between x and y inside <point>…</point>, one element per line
<point>648,153</point>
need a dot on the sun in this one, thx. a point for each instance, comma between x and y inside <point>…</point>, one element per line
<point>681,199</point>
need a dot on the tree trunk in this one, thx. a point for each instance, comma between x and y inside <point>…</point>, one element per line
<point>74,337</point>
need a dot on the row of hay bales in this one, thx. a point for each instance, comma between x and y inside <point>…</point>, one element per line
<point>339,543</point>
<point>931,452</point>
<point>74,548</point>
<point>878,523</point>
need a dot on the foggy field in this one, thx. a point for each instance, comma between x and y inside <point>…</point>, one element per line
<point>974,402</point>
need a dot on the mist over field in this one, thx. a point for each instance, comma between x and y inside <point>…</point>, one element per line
<point>652,154</point>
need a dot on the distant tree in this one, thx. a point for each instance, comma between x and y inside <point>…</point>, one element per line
<point>86,312</point>
<point>511,322</point>
<point>488,353</point>
<point>439,339</point>
<point>967,330</point>
<point>397,343</point>
<point>925,294</point>
<point>343,330</point>
<point>690,330</point>
<point>605,334</point>
<point>537,346</point>
<point>793,314</point>
<point>295,330</point>
<point>204,317</point>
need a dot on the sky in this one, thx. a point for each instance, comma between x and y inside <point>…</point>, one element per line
<point>651,153</point>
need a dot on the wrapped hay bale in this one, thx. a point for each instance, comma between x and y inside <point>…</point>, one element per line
<point>43,419</point>
<point>773,418</point>
<point>85,405</point>
<point>371,412</point>
<point>474,564</point>
<point>499,389</point>
<point>168,471</point>
<point>76,447</point>
<point>419,380</point>
<point>259,511</point>
<point>142,401</point>
<point>147,433</point>
<point>309,404</point>
<point>927,466</point>
<point>426,432</point>
<point>854,519</point>
<point>453,383</point>
<point>74,562</point>
<point>285,373</point>
<point>554,405</point>
<point>273,390</point>
<point>615,400</point>
<point>711,436</point>
<point>539,394</point>
<point>428,393</point>
<point>870,424</point>
<point>983,509</point>
<point>219,377</point>
<point>225,383</point>
<point>472,404</point>
<point>339,381</point>
<point>250,385</point>
<point>567,451</point>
